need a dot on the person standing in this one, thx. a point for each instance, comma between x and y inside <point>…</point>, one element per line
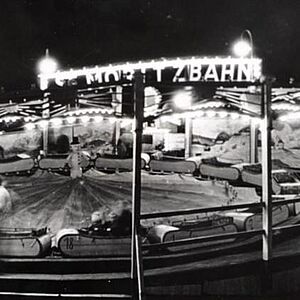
<point>74,159</point>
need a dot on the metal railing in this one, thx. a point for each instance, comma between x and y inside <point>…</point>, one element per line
<point>240,234</point>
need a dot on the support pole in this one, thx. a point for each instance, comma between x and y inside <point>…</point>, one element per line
<point>266,169</point>
<point>117,100</point>
<point>137,273</point>
<point>45,115</point>
<point>253,142</point>
<point>117,134</point>
<point>188,137</point>
<point>45,140</point>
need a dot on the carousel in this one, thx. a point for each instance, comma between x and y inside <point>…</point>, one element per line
<point>200,170</point>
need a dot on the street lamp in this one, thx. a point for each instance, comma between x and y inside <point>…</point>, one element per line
<point>183,100</point>
<point>47,65</point>
<point>244,47</point>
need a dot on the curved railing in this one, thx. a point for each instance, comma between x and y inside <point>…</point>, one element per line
<point>241,234</point>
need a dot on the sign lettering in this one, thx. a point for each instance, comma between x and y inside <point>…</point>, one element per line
<point>178,70</point>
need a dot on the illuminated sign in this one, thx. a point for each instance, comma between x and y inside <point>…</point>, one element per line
<point>165,70</point>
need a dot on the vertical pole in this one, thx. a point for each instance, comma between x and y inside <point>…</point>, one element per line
<point>266,169</point>
<point>253,141</point>
<point>117,102</point>
<point>137,275</point>
<point>117,133</point>
<point>45,115</point>
<point>188,137</point>
<point>45,140</point>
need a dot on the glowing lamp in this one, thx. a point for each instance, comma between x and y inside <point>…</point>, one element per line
<point>98,118</point>
<point>56,122</point>
<point>234,116</point>
<point>183,100</point>
<point>47,65</point>
<point>200,113</point>
<point>242,48</point>
<point>211,114</point>
<point>29,126</point>
<point>85,119</point>
<point>223,114</point>
<point>43,123</point>
<point>111,120</point>
<point>71,120</point>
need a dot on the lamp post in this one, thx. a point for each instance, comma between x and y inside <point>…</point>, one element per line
<point>47,65</point>
<point>137,273</point>
<point>183,101</point>
<point>243,48</point>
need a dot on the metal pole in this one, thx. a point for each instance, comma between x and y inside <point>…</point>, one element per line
<point>253,127</point>
<point>188,137</point>
<point>137,274</point>
<point>117,99</point>
<point>45,115</point>
<point>266,169</point>
<point>253,142</point>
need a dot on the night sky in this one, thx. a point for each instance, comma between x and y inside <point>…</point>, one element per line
<point>90,32</point>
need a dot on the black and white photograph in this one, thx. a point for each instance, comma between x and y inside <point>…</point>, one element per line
<point>150,149</point>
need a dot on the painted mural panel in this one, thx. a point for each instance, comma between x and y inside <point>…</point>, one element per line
<point>14,143</point>
<point>225,138</point>
<point>95,137</point>
<point>286,134</point>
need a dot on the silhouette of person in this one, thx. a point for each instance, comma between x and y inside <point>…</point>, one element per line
<point>1,152</point>
<point>100,222</point>
<point>5,199</point>
<point>121,219</point>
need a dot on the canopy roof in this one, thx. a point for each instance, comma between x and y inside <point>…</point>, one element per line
<point>107,102</point>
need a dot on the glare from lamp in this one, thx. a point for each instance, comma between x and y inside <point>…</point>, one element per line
<point>43,123</point>
<point>71,120</point>
<point>183,100</point>
<point>29,126</point>
<point>234,115</point>
<point>47,65</point>
<point>223,114</point>
<point>98,118</point>
<point>85,119</point>
<point>56,122</point>
<point>211,113</point>
<point>111,120</point>
<point>242,48</point>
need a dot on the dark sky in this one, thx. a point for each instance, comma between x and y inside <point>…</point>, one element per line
<point>89,32</point>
